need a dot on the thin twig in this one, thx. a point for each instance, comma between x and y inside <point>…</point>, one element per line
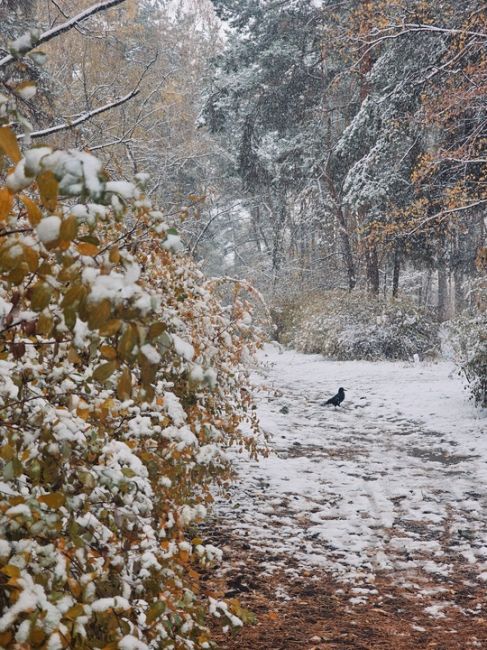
<point>65,27</point>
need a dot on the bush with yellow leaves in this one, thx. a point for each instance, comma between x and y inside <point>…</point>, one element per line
<point>121,383</point>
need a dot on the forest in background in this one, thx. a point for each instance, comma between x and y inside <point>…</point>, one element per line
<point>357,132</point>
<point>308,146</point>
<point>333,154</point>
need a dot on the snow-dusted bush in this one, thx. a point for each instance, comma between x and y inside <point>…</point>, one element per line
<point>120,387</point>
<point>468,335</point>
<point>355,325</point>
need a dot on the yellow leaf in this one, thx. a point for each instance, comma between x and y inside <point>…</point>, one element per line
<point>6,202</point>
<point>7,452</point>
<point>15,501</point>
<point>83,413</point>
<point>9,144</point>
<point>69,229</point>
<point>85,248</point>
<point>107,352</point>
<point>26,89</point>
<point>12,582</point>
<point>53,499</point>
<point>74,587</point>
<point>48,189</point>
<point>45,325</point>
<point>99,314</point>
<point>155,330</point>
<point>37,636</point>
<point>114,255</point>
<point>73,356</point>
<point>11,571</point>
<point>34,213</point>
<point>124,385</point>
<point>75,611</point>
<point>127,342</point>
<point>31,257</point>
<point>111,327</point>
<point>73,295</point>
<point>193,574</point>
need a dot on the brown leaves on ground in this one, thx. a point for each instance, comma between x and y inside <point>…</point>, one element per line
<point>309,610</point>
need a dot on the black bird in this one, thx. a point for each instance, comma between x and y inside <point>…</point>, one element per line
<point>337,399</point>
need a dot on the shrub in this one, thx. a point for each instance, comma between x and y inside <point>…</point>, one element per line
<point>355,325</point>
<point>468,335</point>
<point>121,377</point>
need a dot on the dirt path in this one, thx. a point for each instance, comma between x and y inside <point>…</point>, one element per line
<point>310,610</point>
<point>379,507</point>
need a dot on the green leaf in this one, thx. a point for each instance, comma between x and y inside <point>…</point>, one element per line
<point>127,342</point>
<point>12,469</point>
<point>105,370</point>
<point>155,610</point>
<point>41,296</point>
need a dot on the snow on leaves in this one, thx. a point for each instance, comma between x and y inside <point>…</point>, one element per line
<point>120,379</point>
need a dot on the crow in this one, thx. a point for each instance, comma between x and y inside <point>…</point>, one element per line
<point>337,399</point>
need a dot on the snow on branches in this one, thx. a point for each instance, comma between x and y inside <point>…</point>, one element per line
<point>120,387</point>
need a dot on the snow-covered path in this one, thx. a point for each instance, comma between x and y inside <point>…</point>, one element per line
<point>394,480</point>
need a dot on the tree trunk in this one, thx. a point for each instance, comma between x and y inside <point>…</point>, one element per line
<point>396,270</point>
<point>255,219</point>
<point>372,262</point>
<point>459,297</point>
<point>277,251</point>
<point>347,249</point>
<point>442,290</point>
<point>343,229</point>
<point>425,289</point>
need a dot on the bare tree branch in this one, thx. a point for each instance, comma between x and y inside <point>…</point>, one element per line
<point>208,224</point>
<point>111,143</point>
<point>441,216</point>
<point>391,32</point>
<point>65,27</point>
<point>83,118</point>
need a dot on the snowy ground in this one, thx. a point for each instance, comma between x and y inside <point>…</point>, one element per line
<point>393,481</point>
